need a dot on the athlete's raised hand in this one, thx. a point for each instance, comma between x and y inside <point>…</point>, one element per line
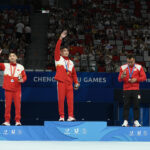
<point>1,50</point>
<point>63,34</point>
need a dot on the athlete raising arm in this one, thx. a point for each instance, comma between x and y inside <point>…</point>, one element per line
<point>65,76</point>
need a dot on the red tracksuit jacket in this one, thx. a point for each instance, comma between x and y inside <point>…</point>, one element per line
<point>7,84</point>
<point>138,73</point>
<point>60,62</point>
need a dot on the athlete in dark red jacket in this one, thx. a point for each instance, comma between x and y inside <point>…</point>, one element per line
<point>138,74</point>
<point>131,74</point>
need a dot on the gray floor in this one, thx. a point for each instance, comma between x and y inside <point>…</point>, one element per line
<point>29,145</point>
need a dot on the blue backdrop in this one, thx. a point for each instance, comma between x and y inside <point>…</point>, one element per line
<point>96,87</point>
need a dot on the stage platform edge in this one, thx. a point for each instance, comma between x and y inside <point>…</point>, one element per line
<point>74,131</point>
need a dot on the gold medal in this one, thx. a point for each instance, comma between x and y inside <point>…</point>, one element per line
<point>68,73</point>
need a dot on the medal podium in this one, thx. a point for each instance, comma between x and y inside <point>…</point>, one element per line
<point>74,131</point>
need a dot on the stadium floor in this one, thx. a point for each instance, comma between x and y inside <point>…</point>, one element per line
<point>40,145</point>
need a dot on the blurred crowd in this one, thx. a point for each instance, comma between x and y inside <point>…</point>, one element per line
<point>101,33</point>
<point>15,33</point>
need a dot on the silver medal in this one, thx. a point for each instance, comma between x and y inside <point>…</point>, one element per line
<point>12,80</point>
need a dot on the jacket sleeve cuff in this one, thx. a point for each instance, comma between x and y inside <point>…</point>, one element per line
<point>125,79</point>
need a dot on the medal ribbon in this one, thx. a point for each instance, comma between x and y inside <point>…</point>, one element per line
<point>11,70</point>
<point>67,65</point>
<point>131,73</point>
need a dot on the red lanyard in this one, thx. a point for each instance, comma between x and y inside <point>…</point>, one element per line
<point>11,71</point>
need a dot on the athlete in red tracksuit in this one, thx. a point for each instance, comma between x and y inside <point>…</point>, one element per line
<point>14,75</point>
<point>131,74</point>
<point>65,75</point>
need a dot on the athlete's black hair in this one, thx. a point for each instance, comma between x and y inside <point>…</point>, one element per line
<point>130,56</point>
<point>12,53</point>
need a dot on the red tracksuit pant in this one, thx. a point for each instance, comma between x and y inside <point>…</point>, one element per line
<point>9,97</point>
<point>65,90</point>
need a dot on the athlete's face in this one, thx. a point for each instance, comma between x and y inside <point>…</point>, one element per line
<point>65,52</point>
<point>131,61</point>
<point>12,58</point>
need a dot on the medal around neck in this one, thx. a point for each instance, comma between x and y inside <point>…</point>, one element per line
<point>12,72</point>
<point>131,73</point>
<point>12,80</point>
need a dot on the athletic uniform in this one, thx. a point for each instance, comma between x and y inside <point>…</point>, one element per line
<point>65,75</point>
<point>12,88</point>
<point>131,90</point>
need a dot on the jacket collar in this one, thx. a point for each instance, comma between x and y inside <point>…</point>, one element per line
<point>13,64</point>
<point>66,58</point>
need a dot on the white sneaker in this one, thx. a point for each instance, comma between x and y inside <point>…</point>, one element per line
<point>71,119</point>
<point>6,124</point>
<point>125,123</point>
<point>18,124</point>
<point>61,119</point>
<point>137,124</point>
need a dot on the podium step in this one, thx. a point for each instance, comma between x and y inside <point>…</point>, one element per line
<point>74,131</point>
